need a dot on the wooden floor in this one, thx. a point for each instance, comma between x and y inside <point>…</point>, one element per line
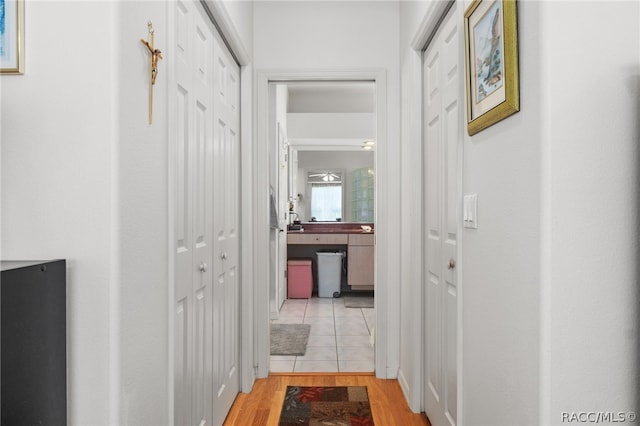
<point>262,406</point>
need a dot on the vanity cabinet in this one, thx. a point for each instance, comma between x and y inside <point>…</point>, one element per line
<point>360,251</point>
<point>309,238</point>
<point>360,255</point>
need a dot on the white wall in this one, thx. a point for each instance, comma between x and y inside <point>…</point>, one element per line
<point>590,208</point>
<point>340,36</point>
<point>84,177</point>
<point>550,307</point>
<point>349,160</point>
<point>319,35</point>
<point>141,225</point>
<point>57,178</point>
<point>240,13</point>
<point>501,259</point>
<point>360,126</point>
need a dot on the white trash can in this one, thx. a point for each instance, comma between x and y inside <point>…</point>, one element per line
<point>329,273</point>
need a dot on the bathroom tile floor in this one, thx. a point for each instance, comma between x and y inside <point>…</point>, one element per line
<point>339,339</point>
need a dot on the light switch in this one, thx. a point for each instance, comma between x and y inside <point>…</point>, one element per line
<point>470,211</point>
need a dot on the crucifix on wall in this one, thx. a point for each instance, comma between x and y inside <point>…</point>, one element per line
<point>156,55</point>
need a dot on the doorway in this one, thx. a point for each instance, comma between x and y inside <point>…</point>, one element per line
<point>282,145</point>
<point>322,179</point>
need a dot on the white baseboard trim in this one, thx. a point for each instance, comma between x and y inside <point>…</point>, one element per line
<point>406,390</point>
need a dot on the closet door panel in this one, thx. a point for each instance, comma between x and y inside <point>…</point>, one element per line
<point>226,225</point>
<point>183,224</point>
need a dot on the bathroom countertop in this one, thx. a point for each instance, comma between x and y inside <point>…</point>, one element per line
<point>333,228</point>
<point>331,231</point>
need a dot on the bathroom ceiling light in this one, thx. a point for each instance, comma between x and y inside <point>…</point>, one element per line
<point>369,142</point>
<point>367,147</point>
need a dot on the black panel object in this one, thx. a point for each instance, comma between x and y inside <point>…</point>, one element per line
<point>33,371</point>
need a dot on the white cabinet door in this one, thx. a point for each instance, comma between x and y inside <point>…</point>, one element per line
<point>360,266</point>
<point>442,123</point>
<point>360,258</point>
<point>205,221</point>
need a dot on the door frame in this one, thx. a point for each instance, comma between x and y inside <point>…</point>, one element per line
<point>433,18</point>
<point>383,302</point>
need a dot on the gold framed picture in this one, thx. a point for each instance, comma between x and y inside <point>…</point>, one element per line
<point>491,56</point>
<point>11,36</point>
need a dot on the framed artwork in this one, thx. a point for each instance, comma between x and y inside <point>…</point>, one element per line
<point>12,36</point>
<point>491,53</point>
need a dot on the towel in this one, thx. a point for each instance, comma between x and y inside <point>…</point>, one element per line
<point>274,214</point>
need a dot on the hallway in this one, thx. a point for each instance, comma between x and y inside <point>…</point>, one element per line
<point>548,311</point>
<point>263,405</point>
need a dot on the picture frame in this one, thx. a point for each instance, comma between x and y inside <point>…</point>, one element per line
<point>491,58</point>
<point>11,36</point>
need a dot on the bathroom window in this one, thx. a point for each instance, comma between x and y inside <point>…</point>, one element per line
<point>326,196</point>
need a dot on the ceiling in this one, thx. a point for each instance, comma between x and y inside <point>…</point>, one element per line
<point>331,97</point>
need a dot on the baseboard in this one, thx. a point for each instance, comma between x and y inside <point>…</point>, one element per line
<point>406,390</point>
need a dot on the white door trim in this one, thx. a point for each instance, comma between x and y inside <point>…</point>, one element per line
<point>434,16</point>
<point>261,208</point>
<point>247,240</point>
<point>224,24</point>
<point>436,12</point>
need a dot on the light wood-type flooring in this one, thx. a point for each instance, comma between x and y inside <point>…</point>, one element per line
<point>262,406</point>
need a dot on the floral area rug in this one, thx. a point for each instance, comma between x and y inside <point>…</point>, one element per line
<point>326,406</point>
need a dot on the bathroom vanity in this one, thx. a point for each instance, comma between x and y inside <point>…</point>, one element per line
<point>350,237</point>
